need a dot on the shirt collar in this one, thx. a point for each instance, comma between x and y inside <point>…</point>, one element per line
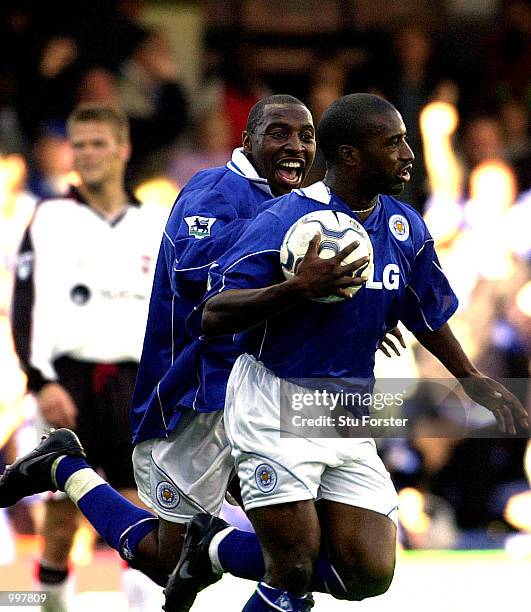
<point>321,193</point>
<point>74,194</point>
<point>242,166</point>
<point>318,191</point>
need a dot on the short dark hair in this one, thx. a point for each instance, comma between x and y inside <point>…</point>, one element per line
<point>350,120</point>
<point>257,112</point>
<point>116,118</point>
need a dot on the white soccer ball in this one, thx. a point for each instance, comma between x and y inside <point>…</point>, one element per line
<point>338,230</point>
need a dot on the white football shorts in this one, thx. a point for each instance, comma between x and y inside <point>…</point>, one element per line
<point>189,471</point>
<point>275,470</point>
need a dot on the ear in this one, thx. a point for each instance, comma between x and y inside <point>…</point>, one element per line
<point>348,155</point>
<point>246,142</point>
<point>126,151</point>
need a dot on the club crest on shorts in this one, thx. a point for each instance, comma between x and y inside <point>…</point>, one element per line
<point>167,495</point>
<point>399,227</point>
<point>266,477</point>
<point>199,227</point>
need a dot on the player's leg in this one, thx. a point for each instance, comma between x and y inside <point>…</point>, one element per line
<point>149,543</point>
<point>289,535</point>
<point>279,503</point>
<point>290,538</point>
<point>181,475</point>
<point>124,525</point>
<point>293,474</point>
<point>112,388</point>
<point>110,505</point>
<point>358,515</point>
<point>59,463</point>
<point>61,518</point>
<point>59,526</point>
<point>361,547</point>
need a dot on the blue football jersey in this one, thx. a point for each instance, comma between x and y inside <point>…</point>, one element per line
<point>206,218</point>
<point>338,340</point>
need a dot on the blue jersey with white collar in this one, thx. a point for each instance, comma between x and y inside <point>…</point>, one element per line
<point>206,218</point>
<point>329,340</point>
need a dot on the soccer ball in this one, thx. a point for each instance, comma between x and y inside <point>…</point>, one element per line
<point>338,230</point>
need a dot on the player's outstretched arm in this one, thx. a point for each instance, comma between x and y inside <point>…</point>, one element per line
<point>480,388</point>
<point>237,310</point>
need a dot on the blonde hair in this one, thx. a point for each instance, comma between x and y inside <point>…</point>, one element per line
<point>116,118</point>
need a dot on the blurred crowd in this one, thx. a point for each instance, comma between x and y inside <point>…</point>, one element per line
<point>465,96</point>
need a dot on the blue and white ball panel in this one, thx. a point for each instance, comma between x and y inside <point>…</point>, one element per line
<point>274,470</point>
<point>337,230</point>
<point>174,489</point>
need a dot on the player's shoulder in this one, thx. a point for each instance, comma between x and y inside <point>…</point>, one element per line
<point>221,178</point>
<point>205,178</point>
<point>217,194</point>
<point>53,203</point>
<point>148,216</point>
<point>395,206</point>
<point>215,184</point>
<point>403,219</point>
<point>50,208</point>
<point>299,202</point>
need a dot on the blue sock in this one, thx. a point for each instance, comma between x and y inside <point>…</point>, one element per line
<point>239,554</point>
<point>269,599</point>
<point>119,522</point>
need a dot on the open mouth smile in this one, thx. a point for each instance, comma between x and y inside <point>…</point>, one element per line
<point>290,170</point>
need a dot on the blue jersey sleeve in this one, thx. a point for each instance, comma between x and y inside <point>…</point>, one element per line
<point>429,300</point>
<point>199,230</point>
<point>253,261</point>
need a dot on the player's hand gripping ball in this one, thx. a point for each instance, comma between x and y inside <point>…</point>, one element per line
<point>337,230</point>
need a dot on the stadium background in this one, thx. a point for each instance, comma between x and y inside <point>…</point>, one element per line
<point>187,74</point>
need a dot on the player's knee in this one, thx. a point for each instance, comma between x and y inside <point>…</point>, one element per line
<point>374,585</point>
<point>371,581</point>
<point>292,576</point>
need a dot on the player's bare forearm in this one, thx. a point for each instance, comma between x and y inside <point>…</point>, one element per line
<point>446,347</point>
<point>237,310</point>
<point>483,390</point>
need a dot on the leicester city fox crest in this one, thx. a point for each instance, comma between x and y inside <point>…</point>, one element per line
<point>167,495</point>
<point>266,477</point>
<point>399,227</point>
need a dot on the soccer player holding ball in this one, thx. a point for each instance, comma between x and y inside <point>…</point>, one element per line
<point>299,492</point>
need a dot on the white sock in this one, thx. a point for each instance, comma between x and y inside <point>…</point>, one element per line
<point>80,482</point>
<point>143,595</point>
<point>213,548</point>
<point>59,596</point>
